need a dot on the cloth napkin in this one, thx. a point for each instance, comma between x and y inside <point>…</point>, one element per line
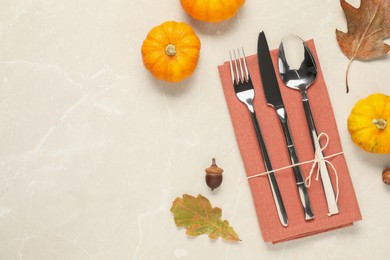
<point>271,229</point>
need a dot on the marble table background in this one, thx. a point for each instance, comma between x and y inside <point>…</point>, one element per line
<point>93,149</point>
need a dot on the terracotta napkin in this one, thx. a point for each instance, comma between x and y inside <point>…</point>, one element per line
<point>270,226</point>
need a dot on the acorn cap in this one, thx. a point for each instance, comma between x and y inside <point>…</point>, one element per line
<point>214,169</point>
<point>386,176</point>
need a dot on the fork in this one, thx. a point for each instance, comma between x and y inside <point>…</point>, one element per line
<point>245,92</point>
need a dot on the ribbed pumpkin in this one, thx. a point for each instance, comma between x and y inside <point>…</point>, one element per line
<point>368,123</point>
<point>212,10</point>
<point>171,51</point>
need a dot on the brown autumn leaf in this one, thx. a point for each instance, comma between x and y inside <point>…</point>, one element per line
<point>367,26</point>
<point>199,217</point>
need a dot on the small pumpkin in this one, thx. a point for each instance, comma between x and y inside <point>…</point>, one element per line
<point>170,51</point>
<point>212,10</point>
<point>369,122</point>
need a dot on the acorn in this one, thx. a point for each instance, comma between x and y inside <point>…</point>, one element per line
<point>386,176</point>
<point>213,175</point>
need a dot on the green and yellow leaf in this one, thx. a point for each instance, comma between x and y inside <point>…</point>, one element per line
<point>199,217</point>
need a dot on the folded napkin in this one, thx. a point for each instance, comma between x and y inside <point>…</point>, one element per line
<point>270,226</point>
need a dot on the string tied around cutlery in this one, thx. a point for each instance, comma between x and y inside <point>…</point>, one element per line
<point>314,163</point>
<point>317,160</point>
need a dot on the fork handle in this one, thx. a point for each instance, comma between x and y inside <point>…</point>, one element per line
<point>271,177</point>
<point>303,195</point>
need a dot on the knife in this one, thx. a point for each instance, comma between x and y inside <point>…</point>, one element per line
<point>274,99</point>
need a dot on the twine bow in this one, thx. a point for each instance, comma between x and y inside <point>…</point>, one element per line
<point>316,162</point>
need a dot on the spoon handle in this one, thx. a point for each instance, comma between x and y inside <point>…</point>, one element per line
<point>326,181</point>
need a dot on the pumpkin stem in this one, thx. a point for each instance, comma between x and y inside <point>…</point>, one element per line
<point>170,49</point>
<point>380,123</point>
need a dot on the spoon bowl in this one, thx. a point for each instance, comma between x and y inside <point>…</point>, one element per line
<point>297,67</point>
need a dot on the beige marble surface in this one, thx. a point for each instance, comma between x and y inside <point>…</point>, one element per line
<point>93,149</point>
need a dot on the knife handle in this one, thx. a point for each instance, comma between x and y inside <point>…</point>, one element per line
<point>303,195</point>
<point>271,177</point>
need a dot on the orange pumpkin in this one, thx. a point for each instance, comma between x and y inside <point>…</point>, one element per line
<point>171,51</point>
<point>212,10</point>
<point>368,123</point>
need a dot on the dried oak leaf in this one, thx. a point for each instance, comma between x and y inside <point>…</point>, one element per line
<point>199,217</point>
<point>367,26</point>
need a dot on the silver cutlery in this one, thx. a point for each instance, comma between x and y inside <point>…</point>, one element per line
<point>274,99</point>
<point>244,90</point>
<point>299,73</point>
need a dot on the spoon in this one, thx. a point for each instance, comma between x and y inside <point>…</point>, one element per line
<point>298,70</point>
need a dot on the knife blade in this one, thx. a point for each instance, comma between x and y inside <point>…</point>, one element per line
<point>268,75</point>
<point>274,99</point>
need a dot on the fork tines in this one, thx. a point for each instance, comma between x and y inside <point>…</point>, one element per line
<point>238,67</point>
